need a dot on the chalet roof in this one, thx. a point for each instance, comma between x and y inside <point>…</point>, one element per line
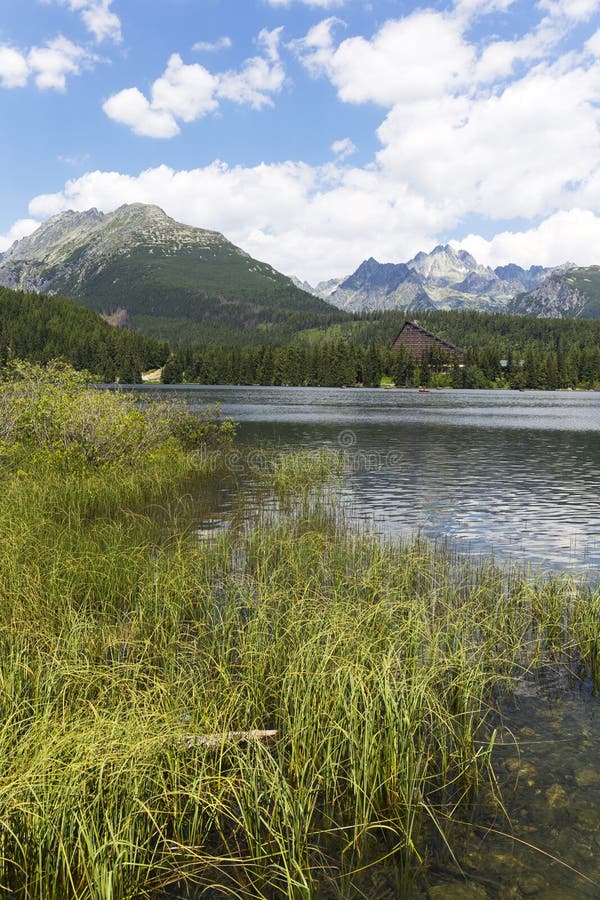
<point>412,326</point>
<point>418,340</point>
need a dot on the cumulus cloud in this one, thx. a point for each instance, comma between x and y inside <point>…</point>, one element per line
<point>14,68</point>
<point>131,108</point>
<point>423,55</point>
<point>98,17</point>
<point>506,130</point>
<point>52,63</point>
<point>487,128</point>
<point>577,10</point>
<point>186,92</point>
<point>570,235</point>
<point>49,65</point>
<point>298,217</point>
<point>319,221</point>
<point>20,229</point>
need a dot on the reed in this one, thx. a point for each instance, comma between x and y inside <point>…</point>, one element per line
<point>123,640</point>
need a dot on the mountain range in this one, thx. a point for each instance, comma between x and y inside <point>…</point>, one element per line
<point>446,278</point>
<point>139,267</point>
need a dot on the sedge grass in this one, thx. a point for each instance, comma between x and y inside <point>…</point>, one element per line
<point>121,637</point>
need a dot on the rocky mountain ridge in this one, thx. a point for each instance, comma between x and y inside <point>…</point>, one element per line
<point>445,278</point>
<point>167,279</point>
<point>568,292</point>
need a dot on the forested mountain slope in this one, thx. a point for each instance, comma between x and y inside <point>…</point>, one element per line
<point>40,328</point>
<point>175,282</point>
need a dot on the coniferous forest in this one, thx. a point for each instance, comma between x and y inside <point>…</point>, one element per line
<point>501,351</point>
<point>41,328</point>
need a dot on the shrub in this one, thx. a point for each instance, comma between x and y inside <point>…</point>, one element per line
<point>54,411</point>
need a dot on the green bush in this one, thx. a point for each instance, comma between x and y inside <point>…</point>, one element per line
<point>52,411</point>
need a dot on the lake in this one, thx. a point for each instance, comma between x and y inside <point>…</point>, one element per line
<point>510,474</point>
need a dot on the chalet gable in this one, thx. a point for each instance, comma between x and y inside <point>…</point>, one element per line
<point>419,341</point>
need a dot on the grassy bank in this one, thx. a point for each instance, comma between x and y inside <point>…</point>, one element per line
<point>131,654</point>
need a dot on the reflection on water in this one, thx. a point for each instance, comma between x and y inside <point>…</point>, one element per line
<point>509,473</point>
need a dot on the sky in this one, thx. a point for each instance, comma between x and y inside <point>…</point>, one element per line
<point>312,133</point>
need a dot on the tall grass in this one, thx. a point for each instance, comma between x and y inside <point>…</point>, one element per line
<point>124,643</point>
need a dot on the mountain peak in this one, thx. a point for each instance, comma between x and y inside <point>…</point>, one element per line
<point>174,280</point>
<point>143,210</point>
<point>447,277</point>
<point>445,262</point>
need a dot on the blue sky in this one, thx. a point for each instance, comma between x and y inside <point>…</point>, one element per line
<point>313,133</point>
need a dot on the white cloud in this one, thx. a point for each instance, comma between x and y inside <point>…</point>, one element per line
<point>98,18</point>
<point>592,46</point>
<point>319,221</point>
<point>298,217</point>
<point>472,9</point>
<point>185,93</point>
<point>503,129</point>
<point>343,148</point>
<point>577,10</point>
<point>474,128</point>
<point>423,55</point>
<point>14,69</point>
<point>60,57</point>
<point>131,108</point>
<point>20,229</point>
<point>49,65</point>
<point>570,235</point>
<point>74,159</point>
<point>222,43</point>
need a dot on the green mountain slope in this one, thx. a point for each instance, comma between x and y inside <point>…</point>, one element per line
<point>174,281</point>
<point>41,328</point>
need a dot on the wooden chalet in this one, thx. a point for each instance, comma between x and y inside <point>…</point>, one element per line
<point>418,341</point>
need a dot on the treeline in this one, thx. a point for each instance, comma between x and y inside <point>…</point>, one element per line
<point>346,363</point>
<point>41,328</point>
<point>484,331</point>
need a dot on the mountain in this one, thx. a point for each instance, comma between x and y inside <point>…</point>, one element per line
<point>529,278</point>
<point>302,285</point>
<point>380,286</point>
<point>40,328</point>
<point>443,279</point>
<point>166,279</point>
<point>324,289</point>
<point>566,293</point>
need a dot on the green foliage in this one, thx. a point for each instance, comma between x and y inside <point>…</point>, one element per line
<point>41,328</point>
<point>51,412</point>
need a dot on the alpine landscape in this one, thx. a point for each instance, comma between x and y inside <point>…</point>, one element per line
<point>299,457</point>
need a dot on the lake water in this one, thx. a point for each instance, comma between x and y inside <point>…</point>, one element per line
<point>516,475</point>
<point>513,474</point>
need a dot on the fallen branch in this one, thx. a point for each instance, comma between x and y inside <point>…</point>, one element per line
<point>230,737</point>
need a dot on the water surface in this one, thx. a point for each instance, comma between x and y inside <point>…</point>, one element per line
<point>513,474</point>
